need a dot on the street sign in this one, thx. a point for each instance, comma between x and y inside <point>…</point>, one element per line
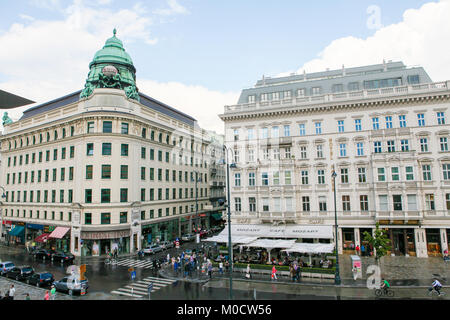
<point>177,244</point>
<point>133,275</point>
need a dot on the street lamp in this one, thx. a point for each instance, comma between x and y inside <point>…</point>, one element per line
<point>337,278</point>
<point>1,210</point>
<point>197,179</point>
<point>230,251</point>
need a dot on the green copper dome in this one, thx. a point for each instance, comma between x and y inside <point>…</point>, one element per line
<point>112,67</point>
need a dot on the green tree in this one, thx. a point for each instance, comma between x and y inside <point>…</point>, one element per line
<point>379,241</point>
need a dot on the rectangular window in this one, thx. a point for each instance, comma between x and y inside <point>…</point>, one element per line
<point>395,174</point>
<point>123,172</point>
<point>429,202</point>
<point>237,179</point>
<point>447,201</point>
<point>345,203</point>
<point>237,203</point>
<point>90,127</point>
<point>377,146</point>
<point>303,154</point>
<point>63,154</point>
<point>397,202</point>
<point>412,202</point>
<point>446,171</point>
<point>426,170</point>
<point>360,148</point>
<point>70,173</point>
<point>423,144</point>
<point>322,203</point>
<point>409,173</point>
<point>250,135</point>
<point>358,126</point>
<point>402,120</point>
<point>364,203</point>
<point>275,132</point>
<point>287,177</point>
<point>265,179</point>
<point>90,149</point>
<point>264,133</point>
<point>55,155</point>
<point>71,152</point>
<point>107,126</point>
<point>252,204</point>
<point>383,199</point>
<point>319,149</point>
<point>105,218</point>
<point>321,176</point>
<point>88,195</point>
<point>106,195</point>
<point>123,217</point>
<point>87,218</point>
<point>305,177</point>
<point>318,126</point>
<point>404,144</point>
<point>276,178</point>
<point>152,154</point>
<point>63,171</point>
<point>287,130</point>
<point>421,119</point>
<point>124,128</point>
<point>381,176</point>
<point>388,122</point>
<point>302,130</point>
<point>124,195</point>
<point>305,204</point>
<point>341,125</point>
<point>375,124</point>
<point>89,171</point>
<point>152,174</point>
<point>391,145</point>
<point>106,149</point>
<point>443,143</point>
<point>142,173</point>
<point>124,149</point>
<point>342,149</point>
<point>344,175</point>
<point>441,117</point>
<point>106,171</point>
<point>251,179</point>
<point>362,175</point>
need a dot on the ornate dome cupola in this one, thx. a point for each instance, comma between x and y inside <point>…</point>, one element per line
<point>112,67</point>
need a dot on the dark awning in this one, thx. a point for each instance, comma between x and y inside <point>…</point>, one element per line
<point>217,216</point>
<point>42,238</point>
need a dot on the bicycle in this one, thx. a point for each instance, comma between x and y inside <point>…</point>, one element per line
<point>110,261</point>
<point>431,292</point>
<point>386,292</point>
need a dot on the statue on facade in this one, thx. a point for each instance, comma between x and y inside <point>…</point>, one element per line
<point>132,93</point>
<point>6,119</point>
<point>110,81</point>
<point>87,91</point>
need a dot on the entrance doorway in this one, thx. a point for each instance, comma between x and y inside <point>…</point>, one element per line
<point>399,242</point>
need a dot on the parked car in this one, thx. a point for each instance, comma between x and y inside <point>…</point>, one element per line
<point>63,256</point>
<point>42,254</point>
<point>154,248</point>
<point>5,267</point>
<point>41,279</point>
<point>188,237</point>
<point>20,273</point>
<point>71,285</point>
<point>166,244</point>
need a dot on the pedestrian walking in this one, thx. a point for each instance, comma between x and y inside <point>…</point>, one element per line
<point>27,296</point>
<point>221,267</point>
<point>210,269</point>
<point>357,250</point>
<point>12,291</point>
<point>168,257</point>
<point>292,272</point>
<point>274,273</point>
<point>355,273</point>
<point>53,292</point>
<point>227,266</point>
<point>363,250</point>
<point>46,297</point>
<point>247,273</point>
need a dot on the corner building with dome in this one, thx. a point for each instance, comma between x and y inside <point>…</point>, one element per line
<point>107,167</point>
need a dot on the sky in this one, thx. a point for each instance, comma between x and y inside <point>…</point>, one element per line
<point>197,55</point>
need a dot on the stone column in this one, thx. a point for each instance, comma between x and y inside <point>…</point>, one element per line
<point>75,233</point>
<point>444,241</point>
<point>405,239</point>
<point>420,242</point>
<point>135,229</point>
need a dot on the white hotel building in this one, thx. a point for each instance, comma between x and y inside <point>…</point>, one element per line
<point>383,129</point>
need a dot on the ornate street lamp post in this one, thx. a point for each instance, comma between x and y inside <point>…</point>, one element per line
<point>337,278</point>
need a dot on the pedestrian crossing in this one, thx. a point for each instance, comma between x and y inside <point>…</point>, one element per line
<point>145,264</point>
<point>139,289</point>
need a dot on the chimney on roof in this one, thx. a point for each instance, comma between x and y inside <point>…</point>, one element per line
<point>263,80</point>
<point>384,65</point>
<point>343,70</point>
<point>304,74</point>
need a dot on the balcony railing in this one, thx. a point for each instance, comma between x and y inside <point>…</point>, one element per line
<point>339,97</point>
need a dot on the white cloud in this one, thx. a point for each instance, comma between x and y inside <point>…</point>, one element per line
<point>419,39</point>
<point>199,102</point>
<point>26,17</point>
<point>174,8</point>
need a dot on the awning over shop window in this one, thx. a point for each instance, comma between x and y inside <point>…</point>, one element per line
<point>85,235</point>
<point>17,231</point>
<point>59,232</point>
<point>217,216</point>
<point>42,238</point>
<point>311,248</point>
<point>234,239</point>
<point>270,243</point>
<point>35,226</point>
<point>283,231</point>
